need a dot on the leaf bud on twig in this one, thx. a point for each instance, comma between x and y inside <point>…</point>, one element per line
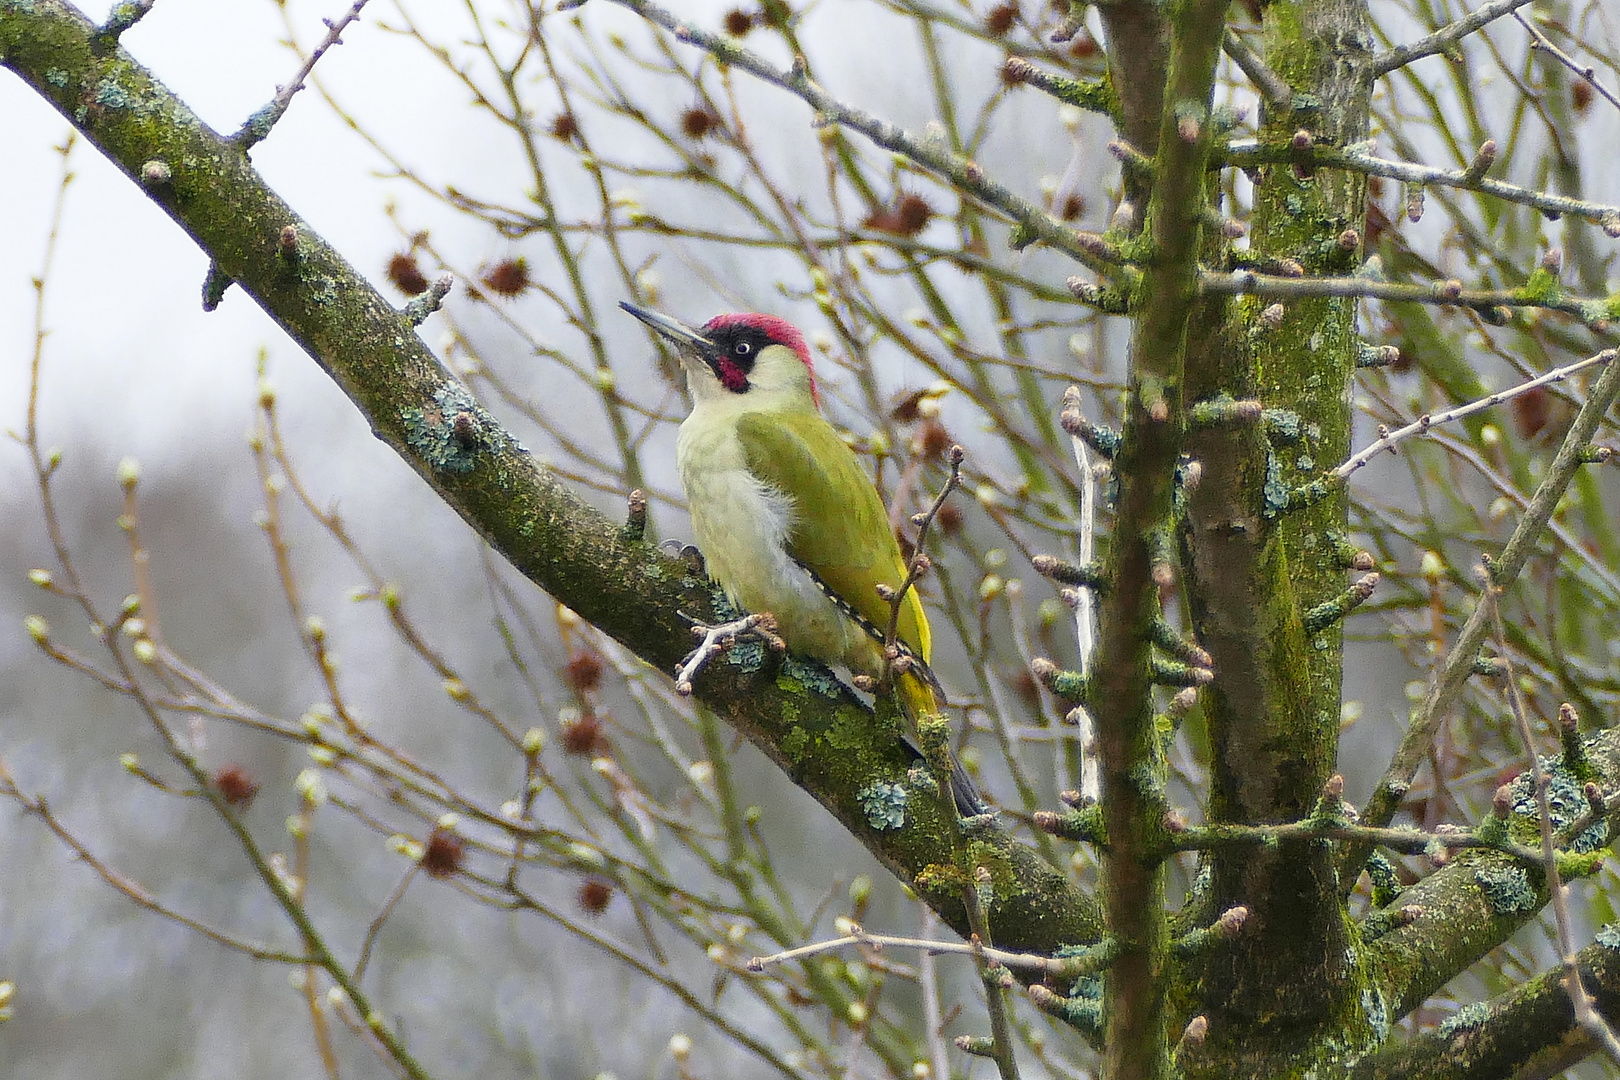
<point>1484,158</point>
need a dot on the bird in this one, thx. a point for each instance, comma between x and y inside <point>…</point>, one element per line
<point>784,516</point>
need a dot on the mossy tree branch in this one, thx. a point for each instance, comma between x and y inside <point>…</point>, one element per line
<point>1253,573</point>
<point>1528,1031</point>
<point>1132,770</point>
<point>1481,898</point>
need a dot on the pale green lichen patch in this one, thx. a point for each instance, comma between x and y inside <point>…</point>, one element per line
<point>722,606</point>
<point>1608,935</point>
<point>1082,1007</point>
<point>1507,889</point>
<point>817,678</point>
<point>114,96</point>
<point>259,124</point>
<point>1276,490</point>
<point>920,778</point>
<point>1566,803</point>
<point>1375,1008</point>
<point>748,656</point>
<point>430,431</point>
<point>1467,1018</point>
<point>321,289</point>
<point>884,804</point>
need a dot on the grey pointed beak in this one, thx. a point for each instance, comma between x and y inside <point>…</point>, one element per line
<point>674,330</point>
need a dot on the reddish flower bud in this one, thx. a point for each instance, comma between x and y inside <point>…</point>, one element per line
<point>406,275</point>
<point>584,671</point>
<point>594,896</point>
<point>444,853</point>
<point>509,277</point>
<point>236,785</point>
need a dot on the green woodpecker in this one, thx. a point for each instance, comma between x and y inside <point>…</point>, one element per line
<point>786,519</point>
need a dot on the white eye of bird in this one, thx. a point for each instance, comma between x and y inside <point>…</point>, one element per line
<point>743,348</point>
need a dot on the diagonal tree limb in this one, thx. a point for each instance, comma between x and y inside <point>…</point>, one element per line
<point>210,188</point>
<point>1527,1032</point>
<point>1442,39</point>
<point>1448,683</point>
<point>1442,925</point>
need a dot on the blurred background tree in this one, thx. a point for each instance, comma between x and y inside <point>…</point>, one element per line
<point>482,835</point>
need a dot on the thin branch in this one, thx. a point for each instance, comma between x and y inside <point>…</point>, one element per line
<point>1423,423</point>
<point>123,16</point>
<point>1442,39</point>
<point>376,925</point>
<point>1459,664</point>
<point>1001,1049</point>
<point>961,172</point>
<point>1405,841</point>
<point>1446,293</point>
<point>1246,153</point>
<point>1272,86</point>
<point>256,127</point>
<point>918,564</point>
<point>1538,40</point>
<point>1085,596</point>
<point>928,980</point>
<point>1044,965</point>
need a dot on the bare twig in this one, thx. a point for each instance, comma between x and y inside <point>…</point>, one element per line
<point>376,925</point>
<point>1001,1049</point>
<point>1085,607</point>
<point>256,127</point>
<point>1272,86</point>
<point>1359,158</point>
<point>1442,39</point>
<point>1586,72</point>
<point>1046,965</point>
<point>1423,423</point>
<point>1085,612</point>
<point>918,564</point>
<point>928,978</point>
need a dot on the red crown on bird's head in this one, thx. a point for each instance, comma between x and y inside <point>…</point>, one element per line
<point>779,331</point>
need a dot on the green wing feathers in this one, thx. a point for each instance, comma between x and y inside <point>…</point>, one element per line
<point>840,529</point>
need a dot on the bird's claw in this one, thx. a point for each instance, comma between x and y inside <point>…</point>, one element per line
<point>717,639</point>
<point>692,557</point>
<point>688,554</point>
